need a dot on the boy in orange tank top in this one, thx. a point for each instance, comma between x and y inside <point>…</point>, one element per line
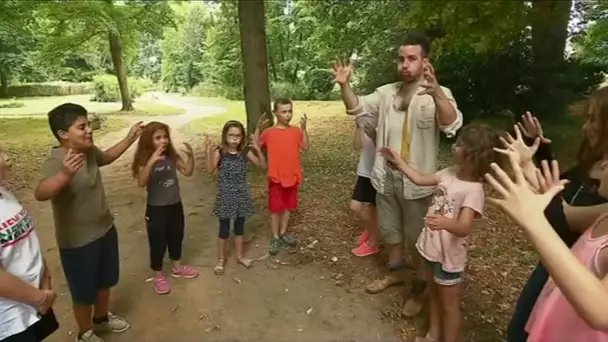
<point>283,143</point>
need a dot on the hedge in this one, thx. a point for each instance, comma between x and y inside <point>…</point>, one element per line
<point>48,89</point>
<point>105,88</point>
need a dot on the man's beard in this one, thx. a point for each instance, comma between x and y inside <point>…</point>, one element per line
<point>410,79</point>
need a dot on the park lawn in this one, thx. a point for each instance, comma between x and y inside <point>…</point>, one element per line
<point>42,105</point>
<point>500,258</point>
<point>28,141</point>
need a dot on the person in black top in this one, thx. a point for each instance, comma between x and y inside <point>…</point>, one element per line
<point>584,198</point>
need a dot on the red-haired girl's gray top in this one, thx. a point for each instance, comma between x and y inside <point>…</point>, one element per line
<point>163,186</point>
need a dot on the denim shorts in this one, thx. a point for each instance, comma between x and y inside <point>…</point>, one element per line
<point>442,277</point>
<point>91,268</point>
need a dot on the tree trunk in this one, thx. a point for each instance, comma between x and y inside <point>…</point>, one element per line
<point>252,24</point>
<point>119,69</point>
<point>3,85</point>
<point>549,23</point>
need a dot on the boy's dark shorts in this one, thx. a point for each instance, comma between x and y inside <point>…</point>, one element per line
<point>38,331</point>
<point>91,268</point>
<point>364,191</point>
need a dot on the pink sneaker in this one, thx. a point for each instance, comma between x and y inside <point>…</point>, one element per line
<point>365,249</point>
<point>362,238</point>
<point>184,272</point>
<point>161,285</point>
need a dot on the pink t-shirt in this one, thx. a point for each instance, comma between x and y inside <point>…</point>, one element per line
<point>553,318</point>
<point>451,195</point>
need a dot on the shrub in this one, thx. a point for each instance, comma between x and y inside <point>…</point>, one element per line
<point>105,88</point>
<point>48,89</point>
<point>206,90</point>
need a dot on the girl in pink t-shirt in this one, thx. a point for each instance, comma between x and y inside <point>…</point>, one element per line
<point>458,199</point>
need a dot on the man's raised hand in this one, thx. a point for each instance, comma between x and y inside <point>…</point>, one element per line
<point>342,72</point>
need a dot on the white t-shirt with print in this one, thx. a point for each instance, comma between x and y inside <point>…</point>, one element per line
<point>19,255</point>
<point>367,156</point>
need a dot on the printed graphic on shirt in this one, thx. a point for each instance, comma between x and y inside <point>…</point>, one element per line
<point>165,168</point>
<point>15,228</point>
<point>442,204</point>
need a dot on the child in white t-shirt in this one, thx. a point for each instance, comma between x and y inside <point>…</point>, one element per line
<point>26,296</point>
<point>363,202</point>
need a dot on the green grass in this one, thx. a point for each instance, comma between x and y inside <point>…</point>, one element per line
<point>28,140</point>
<point>42,105</point>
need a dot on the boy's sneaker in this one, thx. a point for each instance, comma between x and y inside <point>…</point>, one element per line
<point>289,240</point>
<point>275,246</point>
<point>184,272</point>
<point>161,285</point>
<point>88,336</point>
<point>365,249</point>
<point>113,324</point>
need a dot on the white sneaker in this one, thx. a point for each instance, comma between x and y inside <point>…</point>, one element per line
<point>89,336</point>
<point>113,324</point>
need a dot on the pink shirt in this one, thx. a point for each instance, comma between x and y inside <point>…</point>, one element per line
<point>553,319</point>
<point>451,195</point>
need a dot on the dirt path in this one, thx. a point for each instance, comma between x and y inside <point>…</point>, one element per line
<point>268,302</point>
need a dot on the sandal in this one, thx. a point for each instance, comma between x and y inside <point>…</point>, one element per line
<point>380,285</point>
<point>219,267</point>
<point>244,261</point>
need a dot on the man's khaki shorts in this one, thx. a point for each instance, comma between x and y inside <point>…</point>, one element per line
<point>401,220</point>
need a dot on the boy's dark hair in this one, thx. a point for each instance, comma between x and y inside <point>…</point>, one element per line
<point>279,102</point>
<point>478,142</point>
<point>418,37</point>
<point>63,116</point>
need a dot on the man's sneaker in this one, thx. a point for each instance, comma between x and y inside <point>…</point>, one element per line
<point>88,336</point>
<point>289,240</point>
<point>365,249</point>
<point>184,272</point>
<point>113,324</point>
<point>275,246</point>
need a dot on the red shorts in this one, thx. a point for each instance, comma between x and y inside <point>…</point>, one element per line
<point>282,199</point>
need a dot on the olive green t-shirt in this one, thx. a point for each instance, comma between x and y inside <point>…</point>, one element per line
<point>80,210</point>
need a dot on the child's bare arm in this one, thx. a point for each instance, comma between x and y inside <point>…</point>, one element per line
<point>57,175</point>
<point>357,138</point>
<point>213,159</point>
<point>114,152</point>
<point>463,225</point>
<point>14,288</point>
<point>411,173</point>
<point>255,154</point>
<point>186,167</point>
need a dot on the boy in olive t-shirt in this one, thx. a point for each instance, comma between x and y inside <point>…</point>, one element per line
<point>84,225</point>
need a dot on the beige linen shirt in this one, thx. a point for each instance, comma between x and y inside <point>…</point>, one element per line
<point>423,133</point>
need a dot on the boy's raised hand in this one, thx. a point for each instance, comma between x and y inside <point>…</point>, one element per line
<point>516,198</point>
<point>72,162</point>
<point>303,121</point>
<point>263,121</point>
<point>135,131</point>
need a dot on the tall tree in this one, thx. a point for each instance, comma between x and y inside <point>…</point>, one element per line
<point>252,24</point>
<point>120,24</point>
